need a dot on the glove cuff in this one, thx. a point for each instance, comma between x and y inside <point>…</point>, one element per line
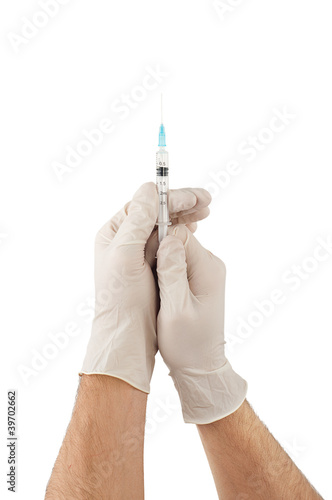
<point>207,397</point>
<point>134,366</point>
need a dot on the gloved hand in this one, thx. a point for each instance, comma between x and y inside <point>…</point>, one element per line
<point>123,339</point>
<point>190,328</point>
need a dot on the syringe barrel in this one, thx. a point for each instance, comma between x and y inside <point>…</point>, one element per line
<point>162,186</point>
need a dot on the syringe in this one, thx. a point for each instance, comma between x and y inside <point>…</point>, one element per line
<point>162,181</point>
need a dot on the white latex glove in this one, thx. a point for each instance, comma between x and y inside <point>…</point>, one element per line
<point>190,328</point>
<point>123,339</point>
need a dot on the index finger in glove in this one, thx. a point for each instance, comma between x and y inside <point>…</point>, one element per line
<point>187,200</point>
<point>186,206</point>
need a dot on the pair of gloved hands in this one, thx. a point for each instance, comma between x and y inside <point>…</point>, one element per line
<point>186,323</point>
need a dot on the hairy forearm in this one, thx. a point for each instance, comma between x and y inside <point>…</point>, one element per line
<point>248,463</point>
<point>102,454</point>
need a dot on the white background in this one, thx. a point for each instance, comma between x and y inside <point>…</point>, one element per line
<point>225,76</point>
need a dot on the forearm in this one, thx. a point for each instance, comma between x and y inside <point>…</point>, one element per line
<point>246,459</point>
<point>102,454</point>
